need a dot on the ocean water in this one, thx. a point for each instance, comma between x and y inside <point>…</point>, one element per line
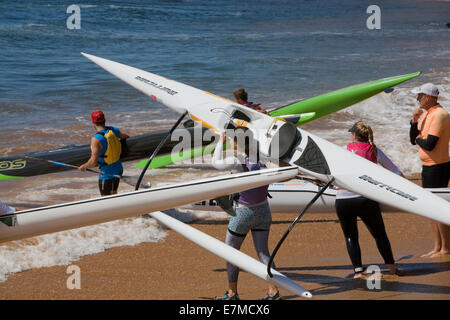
<point>280,51</point>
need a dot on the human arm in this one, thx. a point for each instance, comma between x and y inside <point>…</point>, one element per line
<point>258,108</point>
<point>262,110</point>
<point>218,162</point>
<point>427,144</point>
<point>439,122</point>
<point>96,147</point>
<point>5,209</point>
<point>413,130</point>
<point>387,163</point>
<point>123,135</point>
<point>413,133</point>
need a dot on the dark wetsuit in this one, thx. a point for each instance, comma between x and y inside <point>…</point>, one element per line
<point>350,206</point>
<point>348,210</point>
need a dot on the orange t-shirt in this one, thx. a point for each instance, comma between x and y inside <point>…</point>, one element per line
<point>435,121</point>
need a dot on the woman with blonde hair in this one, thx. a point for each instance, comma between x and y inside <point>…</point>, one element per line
<point>350,206</point>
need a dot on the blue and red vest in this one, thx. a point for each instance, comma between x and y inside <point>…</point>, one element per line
<point>109,160</point>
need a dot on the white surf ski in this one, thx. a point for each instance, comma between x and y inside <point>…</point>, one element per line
<point>230,254</point>
<point>293,196</point>
<point>314,156</point>
<point>77,214</point>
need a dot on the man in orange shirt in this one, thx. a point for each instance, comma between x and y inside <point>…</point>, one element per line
<point>431,131</point>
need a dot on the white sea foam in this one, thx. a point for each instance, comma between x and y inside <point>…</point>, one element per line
<point>86,6</point>
<point>62,248</point>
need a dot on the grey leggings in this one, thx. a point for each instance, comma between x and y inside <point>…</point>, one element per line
<point>260,241</point>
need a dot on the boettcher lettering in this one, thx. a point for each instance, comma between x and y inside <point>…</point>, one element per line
<point>157,86</point>
<point>387,187</point>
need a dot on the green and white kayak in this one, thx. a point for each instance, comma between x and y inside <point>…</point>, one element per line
<point>13,167</point>
<point>337,100</point>
<point>304,111</point>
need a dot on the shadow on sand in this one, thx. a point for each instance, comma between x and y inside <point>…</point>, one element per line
<point>333,284</point>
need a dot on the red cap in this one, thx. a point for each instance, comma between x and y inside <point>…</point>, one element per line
<point>97,116</point>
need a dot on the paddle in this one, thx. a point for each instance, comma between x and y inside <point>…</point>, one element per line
<point>155,152</point>
<point>318,194</point>
<point>127,179</point>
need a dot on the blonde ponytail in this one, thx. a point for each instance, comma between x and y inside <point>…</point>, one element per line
<point>364,133</point>
<point>374,147</point>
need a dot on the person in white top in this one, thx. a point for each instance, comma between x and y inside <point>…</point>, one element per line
<point>350,206</point>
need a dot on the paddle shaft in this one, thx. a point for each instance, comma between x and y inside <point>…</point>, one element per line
<point>318,194</point>
<point>126,179</point>
<point>155,152</point>
<point>57,163</point>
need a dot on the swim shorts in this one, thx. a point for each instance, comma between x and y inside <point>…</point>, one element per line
<point>436,176</point>
<point>254,218</point>
<point>107,187</point>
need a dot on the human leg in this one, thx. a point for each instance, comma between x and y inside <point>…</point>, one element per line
<point>238,227</point>
<point>260,241</point>
<point>372,218</point>
<point>260,225</point>
<point>234,240</point>
<point>345,209</point>
<point>115,185</point>
<point>444,236</point>
<point>108,187</point>
<point>444,230</point>
<point>437,176</point>
<point>436,240</point>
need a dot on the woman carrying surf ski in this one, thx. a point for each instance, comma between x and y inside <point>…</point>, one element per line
<point>350,206</point>
<point>252,209</point>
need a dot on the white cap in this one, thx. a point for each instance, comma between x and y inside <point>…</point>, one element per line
<point>427,88</point>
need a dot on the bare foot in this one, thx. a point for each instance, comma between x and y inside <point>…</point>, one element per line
<point>439,254</point>
<point>398,272</point>
<point>429,254</point>
<point>358,275</point>
<point>393,270</point>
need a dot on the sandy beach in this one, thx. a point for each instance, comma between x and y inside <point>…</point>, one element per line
<point>313,255</point>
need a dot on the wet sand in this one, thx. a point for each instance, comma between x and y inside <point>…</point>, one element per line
<point>314,255</point>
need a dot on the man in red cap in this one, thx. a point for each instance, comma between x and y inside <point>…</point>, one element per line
<point>105,151</point>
